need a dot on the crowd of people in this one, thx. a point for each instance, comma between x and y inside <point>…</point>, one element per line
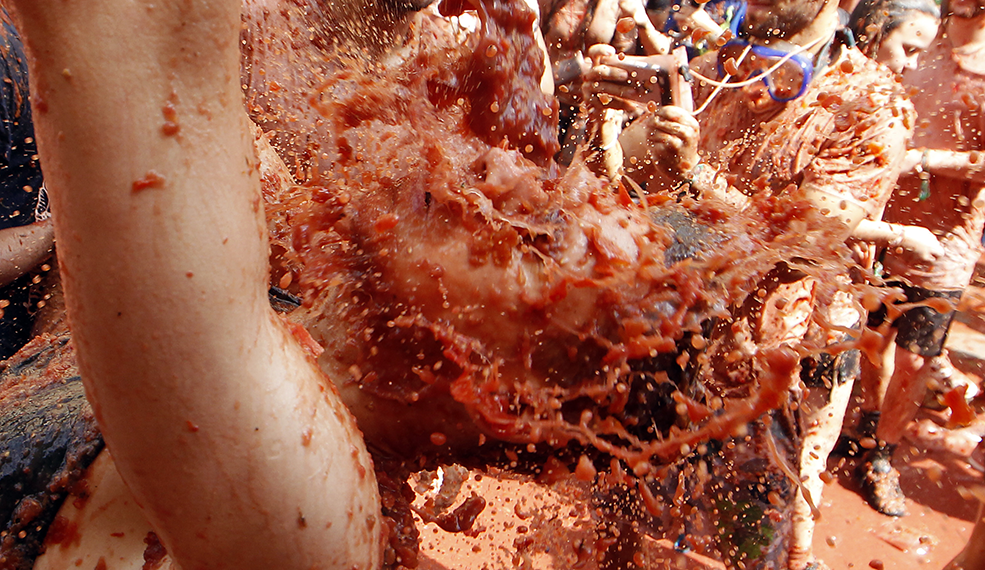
<point>864,123</point>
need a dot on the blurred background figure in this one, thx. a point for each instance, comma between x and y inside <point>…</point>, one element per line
<point>895,32</point>
<point>26,235</point>
<point>571,28</point>
<point>765,125</point>
<point>943,190</point>
<point>698,25</point>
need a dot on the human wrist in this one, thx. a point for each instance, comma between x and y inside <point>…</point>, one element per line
<point>897,235</point>
<point>698,178</point>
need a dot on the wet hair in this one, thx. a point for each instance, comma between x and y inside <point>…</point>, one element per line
<point>873,20</point>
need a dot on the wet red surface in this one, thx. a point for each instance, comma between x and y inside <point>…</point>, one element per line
<point>851,535</point>
<point>936,482</point>
<point>527,525</point>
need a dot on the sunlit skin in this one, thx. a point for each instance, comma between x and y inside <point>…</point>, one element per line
<point>181,185</point>
<point>766,19</point>
<point>945,151</point>
<point>902,46</point>
<point>966,8</point>
<point>670,136</point>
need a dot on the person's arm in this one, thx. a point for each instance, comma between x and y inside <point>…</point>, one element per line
<point>919,240</point>
<point>963,165</point>
<point>652,41</point>
<point>22,248</point>
<point>238,450</point>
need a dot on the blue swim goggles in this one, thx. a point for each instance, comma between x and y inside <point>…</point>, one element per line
<point>786,75</point>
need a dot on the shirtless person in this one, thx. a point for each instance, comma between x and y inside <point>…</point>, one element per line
<point>944,192</point>
<point>25,239</point>
<point>831,129</point>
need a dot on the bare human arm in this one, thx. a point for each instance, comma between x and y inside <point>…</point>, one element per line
<point>962,165</point>
<point>606,27</point>
<point>917,239</point>
<point>22,248</point>
<point>237,448</point>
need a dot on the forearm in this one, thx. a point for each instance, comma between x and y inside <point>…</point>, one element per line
<point>918,240</point>
<point>963,165</point>
<point>218,423</point>
<point>879,233</point>
<point>23,248</point>
<point>652,40</point>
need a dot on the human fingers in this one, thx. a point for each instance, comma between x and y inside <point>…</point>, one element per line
<point>676,130</point>
<point>603,24</point>
<point>911,160</point>
<point>680,126</point>
<point>923,243</point>
<point>632,107</point>
<point>598,51</point>
<point>571,69</point>
<point>645,65</point>
<point>664,142</point>
<point>603,72</point>
<point>675,114</point>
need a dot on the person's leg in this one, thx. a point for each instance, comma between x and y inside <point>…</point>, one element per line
<point>822,414</point>
<point>921,334</point>
<point>876,370</point>
<point>903,397</point>
<point>874,380</point>
<point>830,379</point>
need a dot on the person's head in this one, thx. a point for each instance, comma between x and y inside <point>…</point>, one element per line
<point>963,8</point>
<point>779,19</point>
<point>894,32</point>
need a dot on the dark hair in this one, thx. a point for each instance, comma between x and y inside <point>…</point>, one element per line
<point>873,20</point>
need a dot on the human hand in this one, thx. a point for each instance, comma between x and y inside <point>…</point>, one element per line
<point>626,81</point>
<point>623,23</point>
<point>635,23</point>
<point>921,242</point>
<point>568,76</point>
<point>698,22</point>
<point>665,139</point>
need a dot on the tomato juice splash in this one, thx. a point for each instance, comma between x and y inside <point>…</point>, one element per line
<point>463,283</point>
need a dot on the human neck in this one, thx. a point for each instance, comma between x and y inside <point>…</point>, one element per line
<point>822,27</point>
<point>966,32</point>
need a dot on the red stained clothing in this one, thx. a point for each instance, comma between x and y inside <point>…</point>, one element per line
<point>846,135</point>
